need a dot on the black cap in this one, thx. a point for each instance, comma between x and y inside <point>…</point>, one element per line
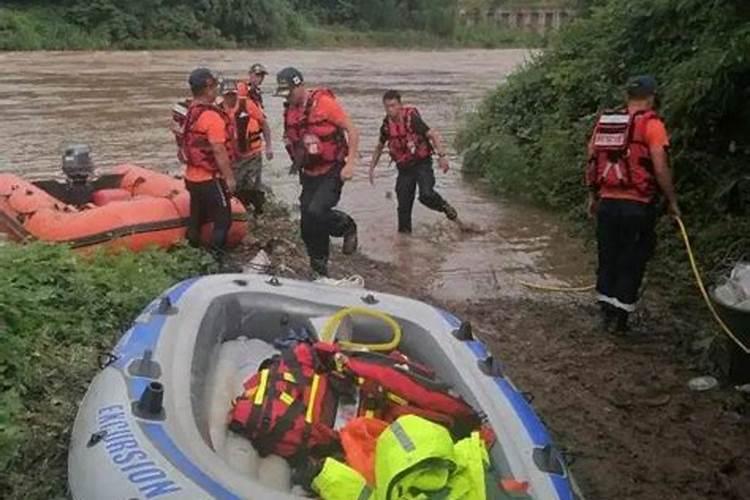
<point>642,86</point>
<point>286,80</point>
<point>200,78</point>
<point>258,69</point>
<point>228,86</point>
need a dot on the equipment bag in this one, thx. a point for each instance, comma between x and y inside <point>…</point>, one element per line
<point>392,386</point>
<point>288,407</point>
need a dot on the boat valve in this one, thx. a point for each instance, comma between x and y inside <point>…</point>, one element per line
<point>151,403</point>
<point>464,332</point>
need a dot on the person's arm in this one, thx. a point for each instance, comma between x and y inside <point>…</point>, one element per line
<point>267,140</point>
<point>658,142</point>
<point>216,133</point>
<point>437,144</point>
<point>225,167</point>
<point>375,159</point>
<point>663,175</point>
<point>352,134</point>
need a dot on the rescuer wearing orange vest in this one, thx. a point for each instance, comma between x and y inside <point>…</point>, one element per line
<point>251,135</point>
<point>628,171</point>
<point>323,145</point>
<point>208,149</point>
<point>411,143</point>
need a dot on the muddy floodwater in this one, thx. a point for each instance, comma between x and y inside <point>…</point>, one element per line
<point>119,103</point>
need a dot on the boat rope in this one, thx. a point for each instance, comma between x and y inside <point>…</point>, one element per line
<point>550,288</point>
<point>328,333</point>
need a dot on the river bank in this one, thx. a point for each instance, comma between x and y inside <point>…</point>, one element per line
<point>620,406</point>
<point>48,28</point>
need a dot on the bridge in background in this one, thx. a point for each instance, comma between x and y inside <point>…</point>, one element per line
<point>529,15</point>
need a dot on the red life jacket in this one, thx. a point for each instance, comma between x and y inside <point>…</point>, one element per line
<point>196,150</point>
<point>313,146</point>
<point>288,408</point>
<point>404,144</point>
<point>619,155</point>
<point>249,136</point>
<point>392,386</point>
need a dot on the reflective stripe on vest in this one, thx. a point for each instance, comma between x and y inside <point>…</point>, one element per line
<point>402,437</point>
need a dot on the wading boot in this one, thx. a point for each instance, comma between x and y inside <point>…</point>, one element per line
<point>621,322</point>
<point>351,242</point>
<point>319,267</point>
<point>450,212</point>
<point>607,315</point>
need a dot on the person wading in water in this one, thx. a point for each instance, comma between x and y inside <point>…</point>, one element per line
<point>411,143</point>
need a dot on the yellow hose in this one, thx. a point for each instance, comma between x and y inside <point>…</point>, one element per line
<point>702,288</point>
<point>329,329</point>
<point>546,288</point>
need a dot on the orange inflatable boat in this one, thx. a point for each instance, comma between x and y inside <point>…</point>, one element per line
<point>132,208</point>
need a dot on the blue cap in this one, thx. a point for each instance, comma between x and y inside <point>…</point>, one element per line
<point>642,86</point>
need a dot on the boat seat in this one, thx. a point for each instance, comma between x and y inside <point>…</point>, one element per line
<point>236,361</point>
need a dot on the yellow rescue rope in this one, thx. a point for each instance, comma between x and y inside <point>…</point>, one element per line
<point>329,329</point>
<point>702,288</point>
<point>698,280</point>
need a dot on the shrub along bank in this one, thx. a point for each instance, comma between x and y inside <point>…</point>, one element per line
<point>58,311</point>
<point>528,137</point>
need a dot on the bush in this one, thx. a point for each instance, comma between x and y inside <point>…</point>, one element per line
<point>529,135</point>
<point>58,310</point>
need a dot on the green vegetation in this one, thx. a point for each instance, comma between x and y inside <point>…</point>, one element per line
<point>58,311</point>
<point>139,24</point>
<point>529,135</point>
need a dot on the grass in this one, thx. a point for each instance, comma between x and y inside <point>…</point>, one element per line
<point>58,311</point>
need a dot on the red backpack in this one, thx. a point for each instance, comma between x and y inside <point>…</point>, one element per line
<point>619,155</point>
<point>288,408</point>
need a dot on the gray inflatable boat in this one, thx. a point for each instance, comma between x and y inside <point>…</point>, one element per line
<point>153,423</point>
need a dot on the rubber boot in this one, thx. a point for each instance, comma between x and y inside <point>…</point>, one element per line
<point>450,212</point>
<point>622,322</point>
<point>351,241</point>
<point>607,314</point>
<point>319,267</point>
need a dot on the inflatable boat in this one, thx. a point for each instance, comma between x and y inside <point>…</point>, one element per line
<point>153,423</point>
<point>132,208</point>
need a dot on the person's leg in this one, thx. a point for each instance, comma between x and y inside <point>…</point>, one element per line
<point>427,194</point>
<point>608,243</point>
<point>195,220</point>
<point>255,184</point>
<point>406,187</point>
<point>638,242</point>
<point>218,198</point>
<point>334,223</point>
<point>314,233</point>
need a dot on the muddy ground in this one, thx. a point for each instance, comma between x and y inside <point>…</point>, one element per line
<point>619,405</point>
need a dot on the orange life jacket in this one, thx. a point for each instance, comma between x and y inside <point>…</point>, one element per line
<point>314,146</point>
<point>404,144</point>
<point>249,131</point>
<point>196,150</point>
<point>619,155</point>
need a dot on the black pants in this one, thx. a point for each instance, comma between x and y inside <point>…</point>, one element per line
<point>409,178</point>
<point>209,202</point>
<point>627,239</point>
<point>319,220</point>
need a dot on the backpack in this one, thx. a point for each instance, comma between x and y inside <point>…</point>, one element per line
<point>288,407</point>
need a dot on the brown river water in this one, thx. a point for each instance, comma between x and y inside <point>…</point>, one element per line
<point>120,102</point>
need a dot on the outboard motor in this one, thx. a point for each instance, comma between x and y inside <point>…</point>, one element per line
<point>77,165</point>
<point>78,168</point>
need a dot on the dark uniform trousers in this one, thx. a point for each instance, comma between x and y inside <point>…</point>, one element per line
<point>422,176</point>
<point>626,239</point>
<point>319,220</point>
